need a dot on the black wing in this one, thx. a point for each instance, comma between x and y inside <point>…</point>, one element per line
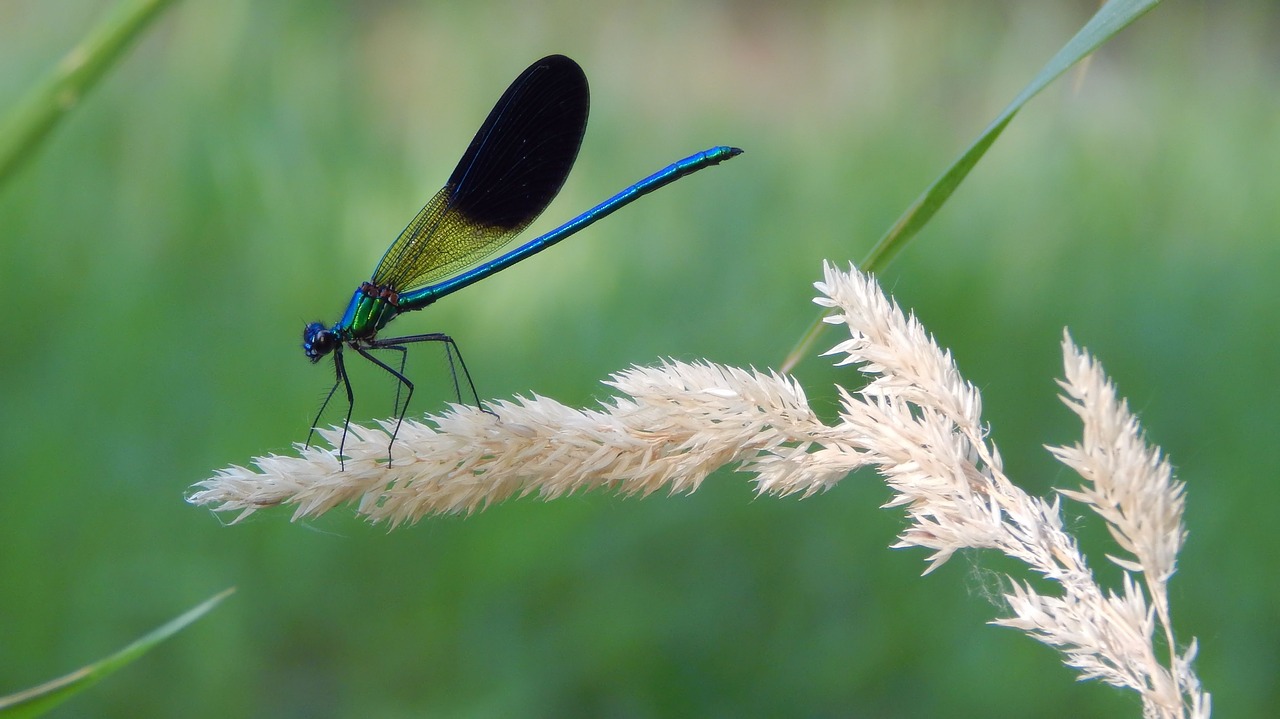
<point>513,168</point>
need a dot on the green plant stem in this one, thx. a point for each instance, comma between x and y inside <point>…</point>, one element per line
<point>1110,19</point>
<point>36,114</point>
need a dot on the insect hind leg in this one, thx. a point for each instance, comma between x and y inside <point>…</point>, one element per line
<point>398,344</point>
<point>451,350</point>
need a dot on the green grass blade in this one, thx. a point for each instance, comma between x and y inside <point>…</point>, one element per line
<point>1109,20</point>
<point>39,112</point>
<point>36,701</point>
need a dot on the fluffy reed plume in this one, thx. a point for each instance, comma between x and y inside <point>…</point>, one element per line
<point>678,423</point>
<point>920,423</point>
<point>917,421</point>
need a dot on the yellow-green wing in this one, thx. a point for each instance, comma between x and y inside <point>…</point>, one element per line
<point>515,165</point>
<point>439,243</point>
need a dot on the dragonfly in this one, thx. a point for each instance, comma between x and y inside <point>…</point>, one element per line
<point>514,167</point>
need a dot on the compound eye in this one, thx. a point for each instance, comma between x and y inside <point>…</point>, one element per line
<point>317,341</point>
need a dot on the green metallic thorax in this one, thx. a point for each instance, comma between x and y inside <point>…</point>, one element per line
<point>367,313</point>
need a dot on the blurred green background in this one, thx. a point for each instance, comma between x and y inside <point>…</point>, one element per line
<point>247,163</point>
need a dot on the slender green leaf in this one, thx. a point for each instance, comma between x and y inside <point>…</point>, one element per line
<point>37,700</point>
<point>48,102</point>
<point>1109,20</point>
